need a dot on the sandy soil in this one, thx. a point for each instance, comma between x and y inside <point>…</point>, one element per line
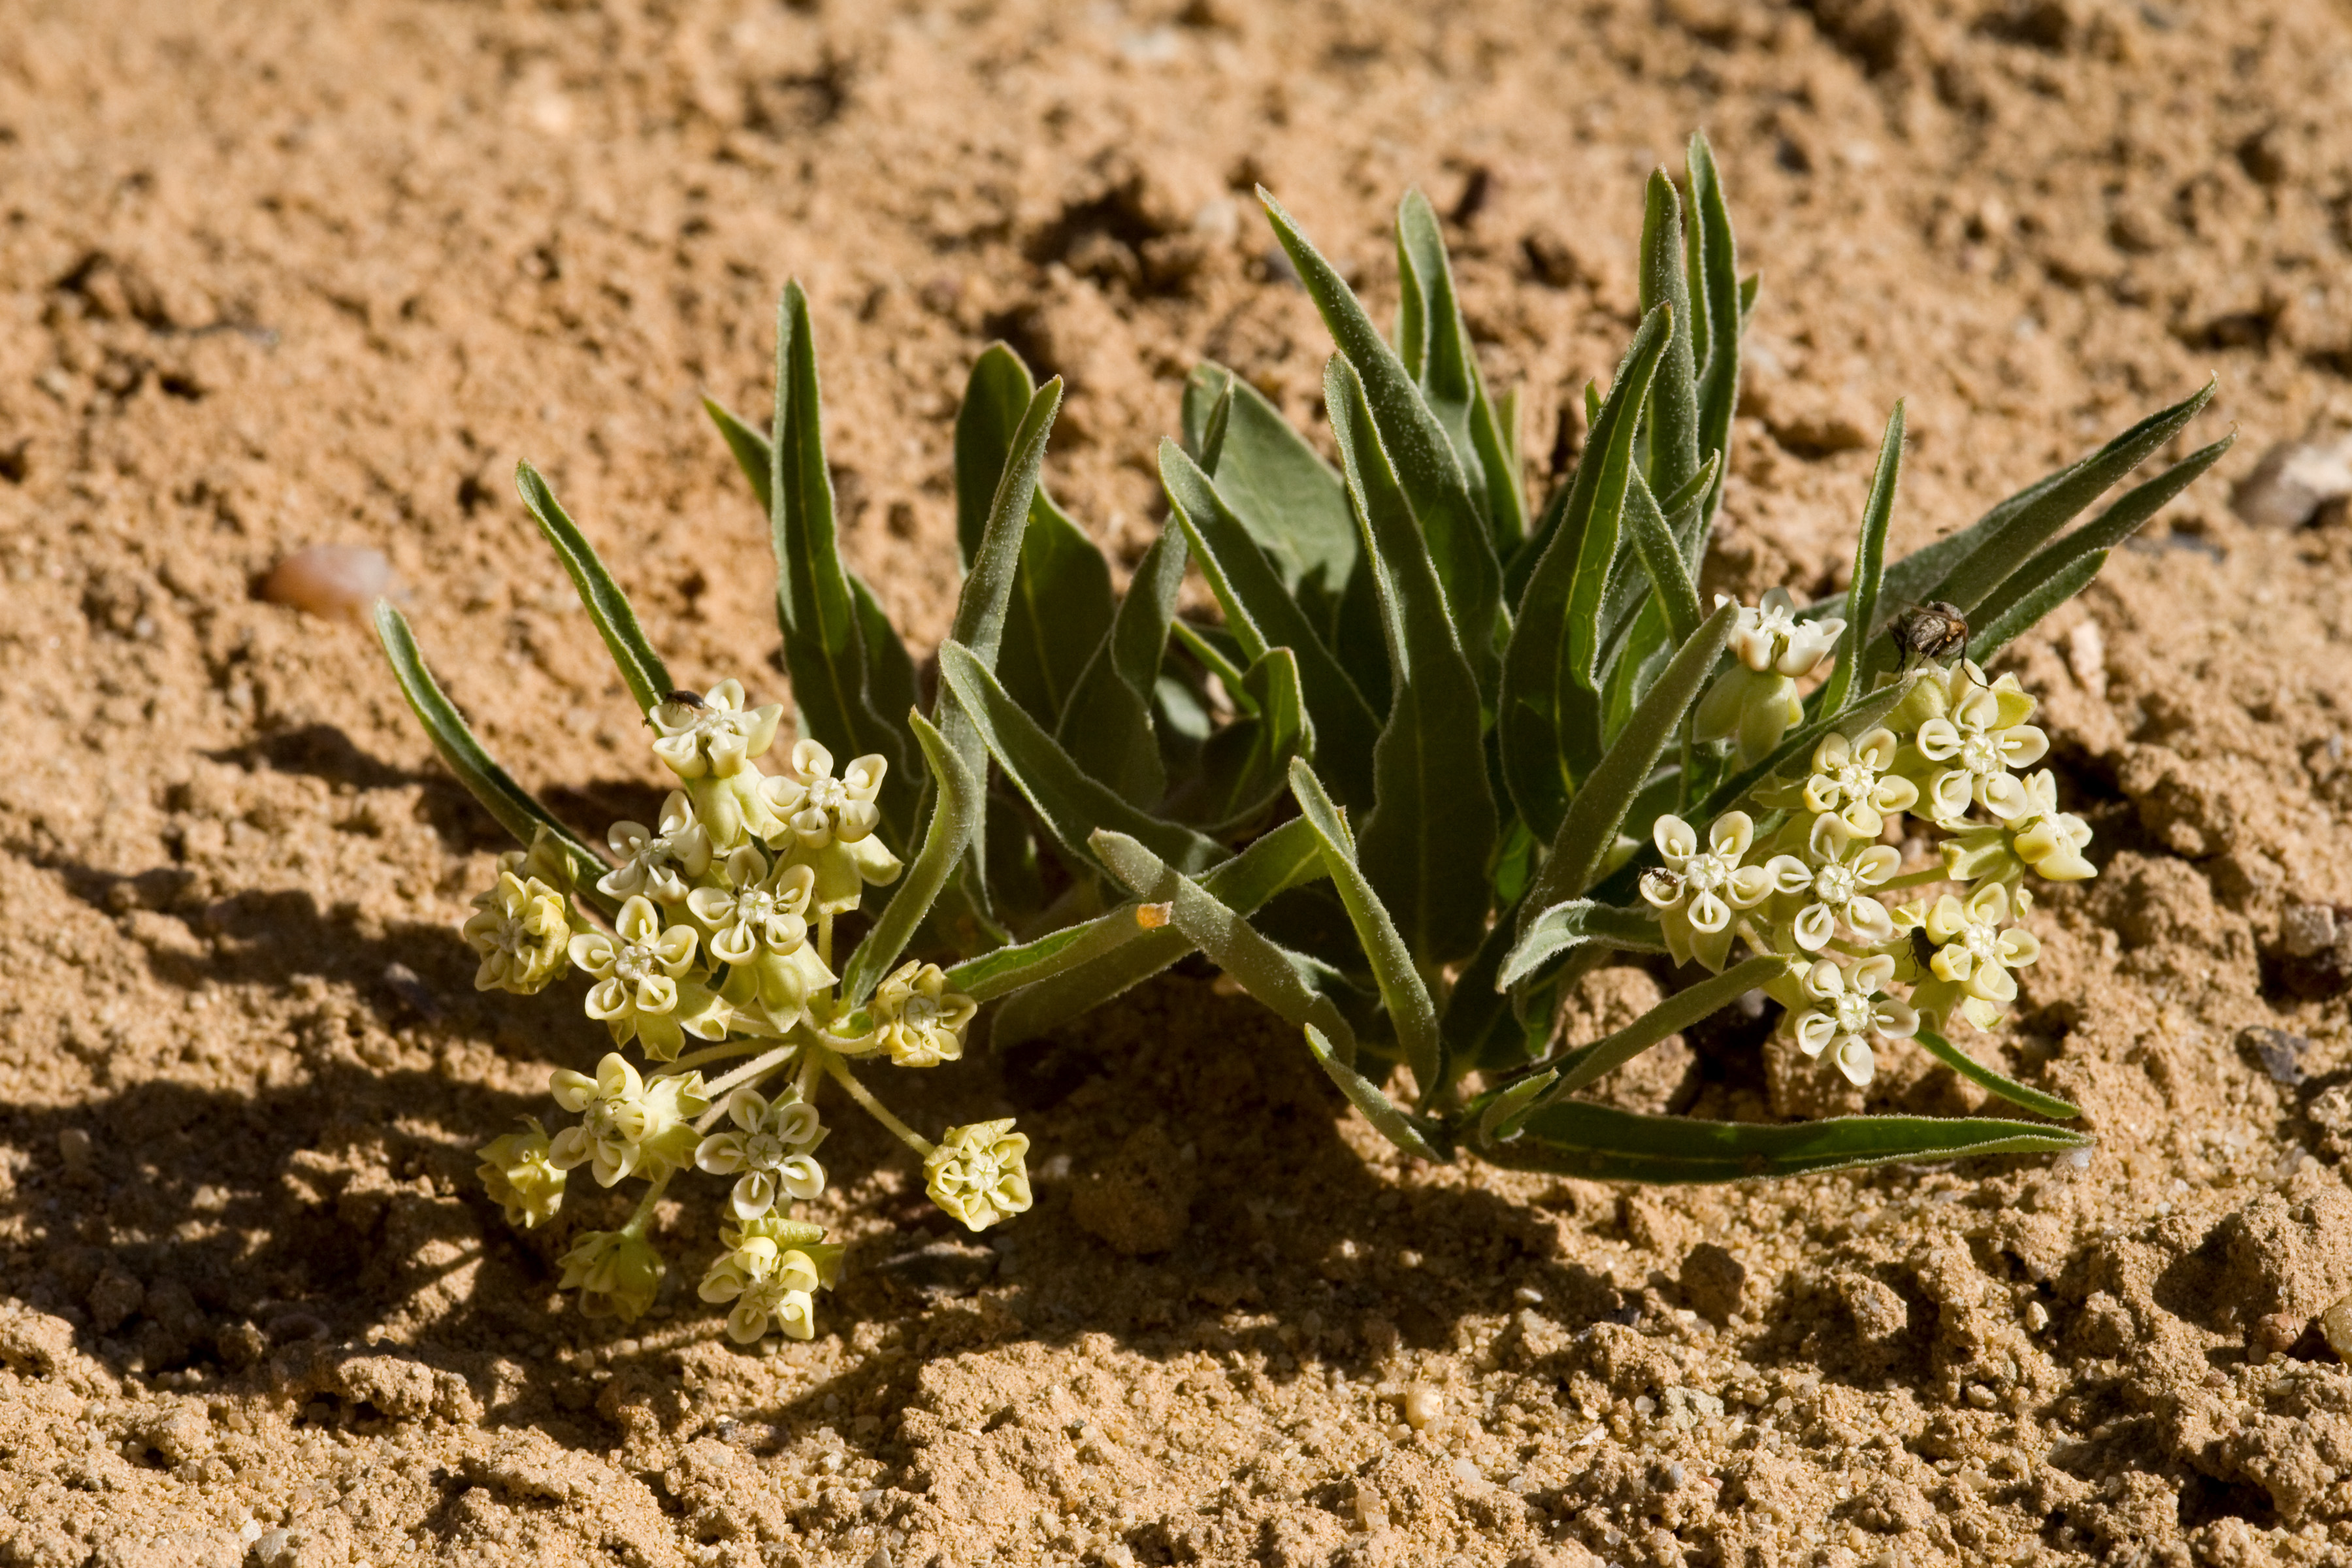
<point>272,276</point>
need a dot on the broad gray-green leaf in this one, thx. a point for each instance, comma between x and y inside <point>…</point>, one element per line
<point>1983,1077</point>
<point>1106,726</point>
<point>648,680</point>
<point>957,801</point>
<point>2102,533</point>
<point>1410,1012</point>
<point>1670,1016</point>
<point>1550,716</point>
<point>1869,566</point>
<point>1061,609</point>
<point>1433,342</point>
<point>1070,803</point>
<point>1245,767</point>
<point>1572,924</point>
<point>825,646</point>
<point>1428,838</point>
<point>1577,1138</point>
<point>995,399</point>
<point>1261,968</point>
<point>1460,543</point>
<point>517,809</point>
<point>1284,492</point>
<point>1284,858</point>
<point>1261,614</point>
<point>1391,1120</point>
<point>1669,438</point>
<point>1589,829</point>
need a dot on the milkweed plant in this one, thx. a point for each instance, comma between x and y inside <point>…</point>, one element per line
<point>1437,755</point>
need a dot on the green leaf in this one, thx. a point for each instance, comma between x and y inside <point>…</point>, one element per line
<point>608,607</point>
<point>1007,969</point>
<point>1479,1026</point>
<point>1589,829</point>
<point>1283,858</point>
<point>1434,341</point>
<point>825,644</point>
<point>1460,543</point>
<point>1869,566</point>
<point>2103,533</point>
<point>1550,716</point>
<point>1577,1138</point>
<point>1669,436</point>
<point>1067,800</point>
<point>1286,496</point>
<point>1409,1132</point>
<point>750,451</point>
<point>1410,1012</point>
<point>1264,970</point>
<point>517,809</point>
<point>1988,639</point>
<point>1427,840</point>
<point>1246,764</point>
<point>1966,567</point>
<point>1106,726</point>
<point>1670,1016</point>
<point>1662,559</point>
<point>1717,325</point>
<point>1574,923</point>
<point>1983,1077</point>
<point>995,400</point>
<point>956,806</point>
<point>1261,614</point>
<point>1498,1114</point>
<point>1061,609</point>
<point>1855,720</point>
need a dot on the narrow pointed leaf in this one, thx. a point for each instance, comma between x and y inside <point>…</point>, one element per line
<point>1988,639</point>
<point>1009,969</point>
<point>995,399</point>
<point>1284,858</point>
<point>1574,923</point>
<point>1549,719</point>
<point>1106,726</point>
<point>1662,559</point>
<point>1498,1116</point>
<point>750,449</point>
<point>1070,802</point>
<point>2103,533</point>
<point>1670,422</point>
<point>517,809</point>
<point>1460,543</point>
<point>1062,607</point>
<point>1869,566</point>
<point>1245,765</point>
<point>1577,1138</point>
<point>1261,614</point>
<point>1403,992</point>
<point>1391,1120</point>
<point>825,646</point>
<point>1448,371</point>
<point>1715,303</point>
<point>648,680</point>
<point>957,801</point>
<point>1670,1016</point>
<point>1426,842</point>
<point>1589,829</point>
<point>1984,1078</point>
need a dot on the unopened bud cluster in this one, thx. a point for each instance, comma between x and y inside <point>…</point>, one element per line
<point>717,970</point>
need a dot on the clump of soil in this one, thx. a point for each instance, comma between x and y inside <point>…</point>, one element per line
<point>277,279</point>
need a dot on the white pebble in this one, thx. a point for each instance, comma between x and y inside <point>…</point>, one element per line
<point>337,581</point>
<point>1422,1405</point>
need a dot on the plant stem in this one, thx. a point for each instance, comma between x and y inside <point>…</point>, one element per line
<point>839,1071</point>
<point>644,1212</point>
<point>824,937</point>
<point>750,1071</point>
<point>714,1054</point>
<point>1936,873</point>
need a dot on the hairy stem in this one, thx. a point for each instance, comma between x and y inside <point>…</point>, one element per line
<point>839,1071</point>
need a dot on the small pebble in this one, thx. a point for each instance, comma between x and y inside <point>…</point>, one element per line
<point>2337,1324</point>
<point>338,581</point>
<point>1423,1405</point>
<point>73,1147</point>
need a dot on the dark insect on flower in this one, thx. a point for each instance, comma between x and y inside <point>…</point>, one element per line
<point>684,699</point>
<point>1934,630</point>
<point>1923,947</point>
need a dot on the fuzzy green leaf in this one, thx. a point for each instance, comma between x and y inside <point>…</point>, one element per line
<point>1409,1132</point>
<point>1589,829</point>
<point>995,399</point>
<point>1058,991</point>
<point>1577,1138</point>
<point>1550,716</point>
<point>1007,969</point>
<point>1988,638</point>
<point>608,607</point>
<point>1261,614</point>
<point>1983,1077</point>
<point>1433,342</point>
<point>1572,924</point>
<point>824,644</point>
<point>1662,559</point>
<point>1069,801</point>
<point>956,805</point>
<point>1427,840</point>
<point>1498,1114</point>
<point>1061,609</point>
<point>1669,436</point>
<point>750,449</point>
<point>517,809</point>
<point>1670,1016</point>
<point>1106,726</point>
<point>1403,992</point>
<point>1460,543</point>
<point>1717,326</point>
<point>2103,533</point>
<point>1869,566</point>
<point>1285,495</point>
<point>1245,767</point>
